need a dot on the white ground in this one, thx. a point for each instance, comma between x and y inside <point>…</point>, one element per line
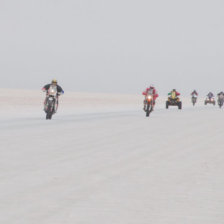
<point>101,161</point>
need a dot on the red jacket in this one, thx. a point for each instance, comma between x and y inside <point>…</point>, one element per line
<point>154,92</point>
<point>178,94</point>
<point>194,93</point>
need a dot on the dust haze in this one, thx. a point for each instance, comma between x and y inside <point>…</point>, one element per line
<point>118,46</point>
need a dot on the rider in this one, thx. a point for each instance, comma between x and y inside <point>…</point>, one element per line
<point>220,94</point>
<point>54,84</point>
<point>210,95</point>
<point>174,94</point>
<point>150,90</point>
<point>194,93</point>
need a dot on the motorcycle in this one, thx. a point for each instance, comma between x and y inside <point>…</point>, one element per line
<point>193,100</point>
<point>210,100</point>
<point>148,104</point>
<point>51,101</point>
<point>220,100</point>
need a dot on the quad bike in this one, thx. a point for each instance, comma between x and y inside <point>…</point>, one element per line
<point>210,101</point>
<point>148,108</point>
<point>173,101</point>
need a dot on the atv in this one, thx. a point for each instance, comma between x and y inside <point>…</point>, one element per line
<point>210,101</point>
<point>174,101</point>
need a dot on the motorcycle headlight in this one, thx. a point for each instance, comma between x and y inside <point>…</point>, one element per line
<point>149,97</point>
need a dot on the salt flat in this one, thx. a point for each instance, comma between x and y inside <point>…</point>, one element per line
<point>100,160</point>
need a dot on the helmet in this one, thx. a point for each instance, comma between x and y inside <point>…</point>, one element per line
<point>54,81</point>
<point>174,90</point>
<point>151,86</point>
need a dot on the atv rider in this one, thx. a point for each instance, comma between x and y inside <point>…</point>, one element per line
<point>210,95</point>
<point>54,85</point>
<point>174,94</point>
<point>150,90</point>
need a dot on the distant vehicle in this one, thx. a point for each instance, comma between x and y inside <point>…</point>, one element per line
<point>53,91</point>
<point>194,96</point>
<point>220,100</point>
<point>194,99</point>
<point>173,100</point>
<point>210,100</point>
<point>150,99</point>
<point>50,102</point>
<point>149,104</point>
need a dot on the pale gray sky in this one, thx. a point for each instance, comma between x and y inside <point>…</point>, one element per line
<point>113,45</point>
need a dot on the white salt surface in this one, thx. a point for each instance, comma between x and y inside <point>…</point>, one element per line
<point>100,160</point>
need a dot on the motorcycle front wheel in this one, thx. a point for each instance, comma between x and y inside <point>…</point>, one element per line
<point>148,109</point>
<point>48,116</point>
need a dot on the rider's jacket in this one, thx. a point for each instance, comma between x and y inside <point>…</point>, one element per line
<point>221,93</point>
<point>151,91</point>
<point>173,93</point>
<point>210,95</point>
<point>194,93</point>
<point>47,87</point>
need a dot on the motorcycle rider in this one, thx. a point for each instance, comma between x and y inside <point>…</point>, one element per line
<point>150,90</point>
<point>194,94</point>
<point>174,94</point>
<point>220,94</point>
<point>54,85</point>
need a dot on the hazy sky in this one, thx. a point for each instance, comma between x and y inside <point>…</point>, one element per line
<point>113,45</point>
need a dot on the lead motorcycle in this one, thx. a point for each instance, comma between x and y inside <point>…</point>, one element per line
<point>148,104</point>
<point>50,102</point>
